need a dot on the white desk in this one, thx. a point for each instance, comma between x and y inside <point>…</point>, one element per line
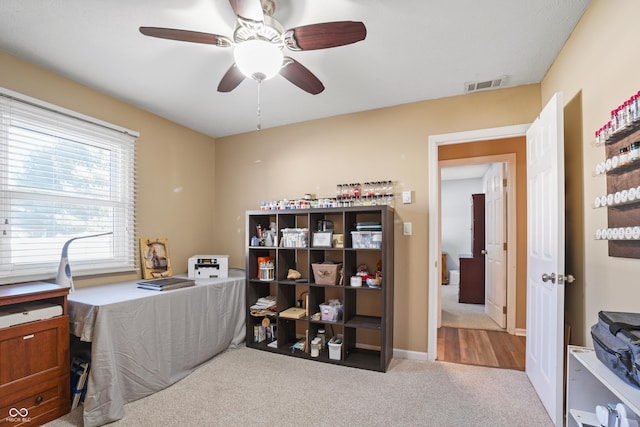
<point>143,341</point>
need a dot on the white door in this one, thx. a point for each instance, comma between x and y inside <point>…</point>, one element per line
<point>545,259</point>
<point>495,253</point>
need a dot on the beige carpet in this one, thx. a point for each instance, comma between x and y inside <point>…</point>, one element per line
<point>250,387</point>
<point>458,315</point>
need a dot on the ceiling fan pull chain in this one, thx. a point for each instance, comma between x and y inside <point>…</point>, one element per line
<point>259,127</point>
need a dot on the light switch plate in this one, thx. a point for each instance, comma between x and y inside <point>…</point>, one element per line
<point>407,228</point>
<point>406,197</point>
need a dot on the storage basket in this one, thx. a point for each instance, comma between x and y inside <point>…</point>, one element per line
<point>326,274</point>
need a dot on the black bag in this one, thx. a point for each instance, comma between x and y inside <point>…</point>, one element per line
<point>616,339</point>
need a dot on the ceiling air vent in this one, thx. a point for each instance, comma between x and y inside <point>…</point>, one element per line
<point>483,85</point>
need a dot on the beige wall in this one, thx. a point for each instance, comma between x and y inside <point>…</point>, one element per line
<point>596,70</point>
<point>175,188</point>
<point>598,67</point>
<point>389,143</point>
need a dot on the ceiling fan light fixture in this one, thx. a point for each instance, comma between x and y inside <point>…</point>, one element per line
<point>258,59</point>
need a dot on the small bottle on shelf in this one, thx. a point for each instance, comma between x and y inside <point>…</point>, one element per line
<point>634,151</point>
<point>321,335</point>
<point>608,131</point>
<point>633,109</point>
<point>614,122</point>
<point>623,158</point>
<point>626,114</point>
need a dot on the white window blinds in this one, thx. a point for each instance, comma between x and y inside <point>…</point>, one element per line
<point>63,175</point>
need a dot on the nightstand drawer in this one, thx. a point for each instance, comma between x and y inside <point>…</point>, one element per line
<point>36,405</point>
<point>34,349</point>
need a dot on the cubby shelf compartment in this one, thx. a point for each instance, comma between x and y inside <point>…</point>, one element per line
<point>366,324</point>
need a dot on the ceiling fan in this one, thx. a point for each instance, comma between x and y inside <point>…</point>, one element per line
<point>259,39</point>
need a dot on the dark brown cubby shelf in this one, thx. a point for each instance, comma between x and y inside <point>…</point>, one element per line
<point>366,324</point>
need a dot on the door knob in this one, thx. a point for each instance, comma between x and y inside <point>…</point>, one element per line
<point>566,279</point>
<point>483,252</point>
<point>549,278</point>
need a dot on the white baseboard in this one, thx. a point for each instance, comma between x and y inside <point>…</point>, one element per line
<point>410,355</point>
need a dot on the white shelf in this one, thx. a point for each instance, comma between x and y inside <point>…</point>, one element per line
<point>591,383</point>
<point>584,419</point>
<point>627,394</point>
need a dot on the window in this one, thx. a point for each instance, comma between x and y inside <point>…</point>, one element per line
<point>63,175</point>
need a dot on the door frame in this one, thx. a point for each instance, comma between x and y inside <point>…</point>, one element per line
<point>435,233</point>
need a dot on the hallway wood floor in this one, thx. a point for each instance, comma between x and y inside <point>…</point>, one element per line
<point>479,347</point>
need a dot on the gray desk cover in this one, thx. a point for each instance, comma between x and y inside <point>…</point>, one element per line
<point>143,340</point>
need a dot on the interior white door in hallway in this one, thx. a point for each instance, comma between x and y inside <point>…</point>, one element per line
<point>495,250</point>
<point>545,257</point>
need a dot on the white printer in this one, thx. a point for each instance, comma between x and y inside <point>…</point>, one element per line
<point>208,266</point>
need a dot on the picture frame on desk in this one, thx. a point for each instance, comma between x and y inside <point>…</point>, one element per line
<point>154,257</point>
<point>322,239</point>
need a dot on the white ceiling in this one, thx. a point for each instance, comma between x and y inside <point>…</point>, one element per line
<point>414,50</point>
<point>451,173</point>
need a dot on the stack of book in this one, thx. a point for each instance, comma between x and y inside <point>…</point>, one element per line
<point>166,283</point>
<point>264,303</point>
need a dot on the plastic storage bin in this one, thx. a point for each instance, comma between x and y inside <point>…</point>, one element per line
<point>335,347</point>
<point>295,237</point>
<point>366,239</point>
<point>331,311</point>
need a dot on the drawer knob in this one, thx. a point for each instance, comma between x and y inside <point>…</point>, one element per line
<point>39,400</point>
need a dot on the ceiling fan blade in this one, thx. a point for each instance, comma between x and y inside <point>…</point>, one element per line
<point>324,35</point>
<point>231,79</point>
<point>186,36</point>
<point>300,76</point>
<point>249,10</point>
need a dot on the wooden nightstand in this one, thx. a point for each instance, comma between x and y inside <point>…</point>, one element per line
<point>34,359</point>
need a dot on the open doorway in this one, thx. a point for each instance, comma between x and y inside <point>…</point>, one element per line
<point>473,303</point>
<point>473,269</point>
<point>494,145</point>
